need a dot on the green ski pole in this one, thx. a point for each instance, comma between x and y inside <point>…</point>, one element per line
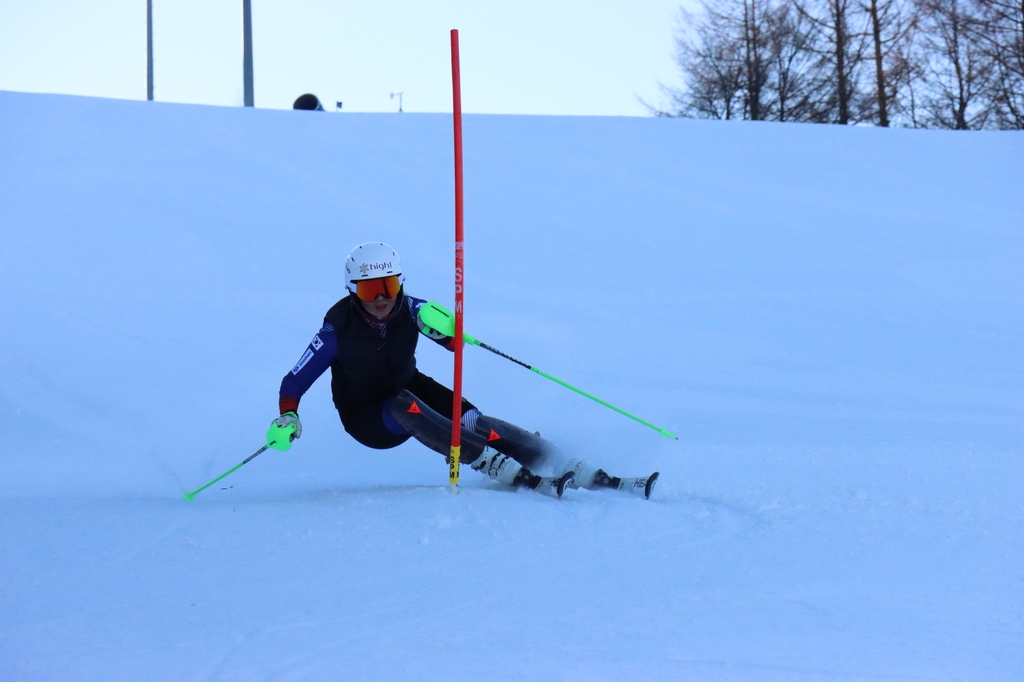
<point>285,432</point>
<point>438,317</point>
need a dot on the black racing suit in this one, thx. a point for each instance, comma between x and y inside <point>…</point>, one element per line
<point>372,360</point>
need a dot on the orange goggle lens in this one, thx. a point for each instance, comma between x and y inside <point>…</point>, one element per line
<point>369,289</point>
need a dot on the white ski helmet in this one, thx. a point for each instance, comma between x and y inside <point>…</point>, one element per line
<point>371,261</point>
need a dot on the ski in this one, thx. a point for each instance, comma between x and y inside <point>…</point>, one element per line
<point>641,486</point>
<point>552,486</point>
<point>502,468</point>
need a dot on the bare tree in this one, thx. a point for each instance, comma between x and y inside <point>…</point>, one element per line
<point>957,71</point>
<point>743,59</point>
<point>793,83</point>
<point>755,25</point>
<point>890,23</point>
<point>1002,38</point>
<point>710,55</point>
<point>840,44</point>
<point>934,63</point>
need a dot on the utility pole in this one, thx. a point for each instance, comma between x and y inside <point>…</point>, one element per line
<point>247,51</point>
<point>399,96</point>
<point>149,50</point>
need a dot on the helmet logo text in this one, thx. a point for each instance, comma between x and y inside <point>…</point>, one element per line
<point>366,268</point>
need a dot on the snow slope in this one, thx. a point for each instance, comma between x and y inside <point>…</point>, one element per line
<point>830,318</point>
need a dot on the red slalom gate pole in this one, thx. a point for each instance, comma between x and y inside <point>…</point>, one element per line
<point>453,459</point>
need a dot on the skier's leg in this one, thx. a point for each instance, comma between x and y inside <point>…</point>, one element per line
<point>435,431</point>
<point>368,426</point>
<point>521,445</point>
<point>532,451</point>
<point>375,426</point>
<point>438,396</point>
<point>432,429</point>
<point>529,449</point>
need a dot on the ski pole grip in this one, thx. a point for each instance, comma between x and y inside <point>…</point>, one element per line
<point>440,319</point>
<point>281,437</point>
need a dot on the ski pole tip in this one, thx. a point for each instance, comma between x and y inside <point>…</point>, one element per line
<point>190,496</point>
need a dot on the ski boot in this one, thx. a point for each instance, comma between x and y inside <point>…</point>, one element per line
<point>504,469</point>
<point>589,478</point>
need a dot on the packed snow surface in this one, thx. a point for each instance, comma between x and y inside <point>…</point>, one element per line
<point>830,318</point>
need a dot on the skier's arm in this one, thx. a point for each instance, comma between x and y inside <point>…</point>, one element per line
<point>437,337</point>
<point>319,355</point>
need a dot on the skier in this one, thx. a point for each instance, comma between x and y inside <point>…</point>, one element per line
<point>368,339</point>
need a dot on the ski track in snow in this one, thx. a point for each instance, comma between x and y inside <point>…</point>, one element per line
<point>505,543</point>
<point>830,318</point>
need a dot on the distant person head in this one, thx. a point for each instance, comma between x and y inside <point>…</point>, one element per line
<point>308,102</point>
<point>373,274</point>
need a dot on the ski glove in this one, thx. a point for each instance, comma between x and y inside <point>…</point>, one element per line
<point>283,431</point>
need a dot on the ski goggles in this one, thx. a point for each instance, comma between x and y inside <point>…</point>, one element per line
<point>369,289</point>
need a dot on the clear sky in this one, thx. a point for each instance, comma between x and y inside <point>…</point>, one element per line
<point>525,57</point>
